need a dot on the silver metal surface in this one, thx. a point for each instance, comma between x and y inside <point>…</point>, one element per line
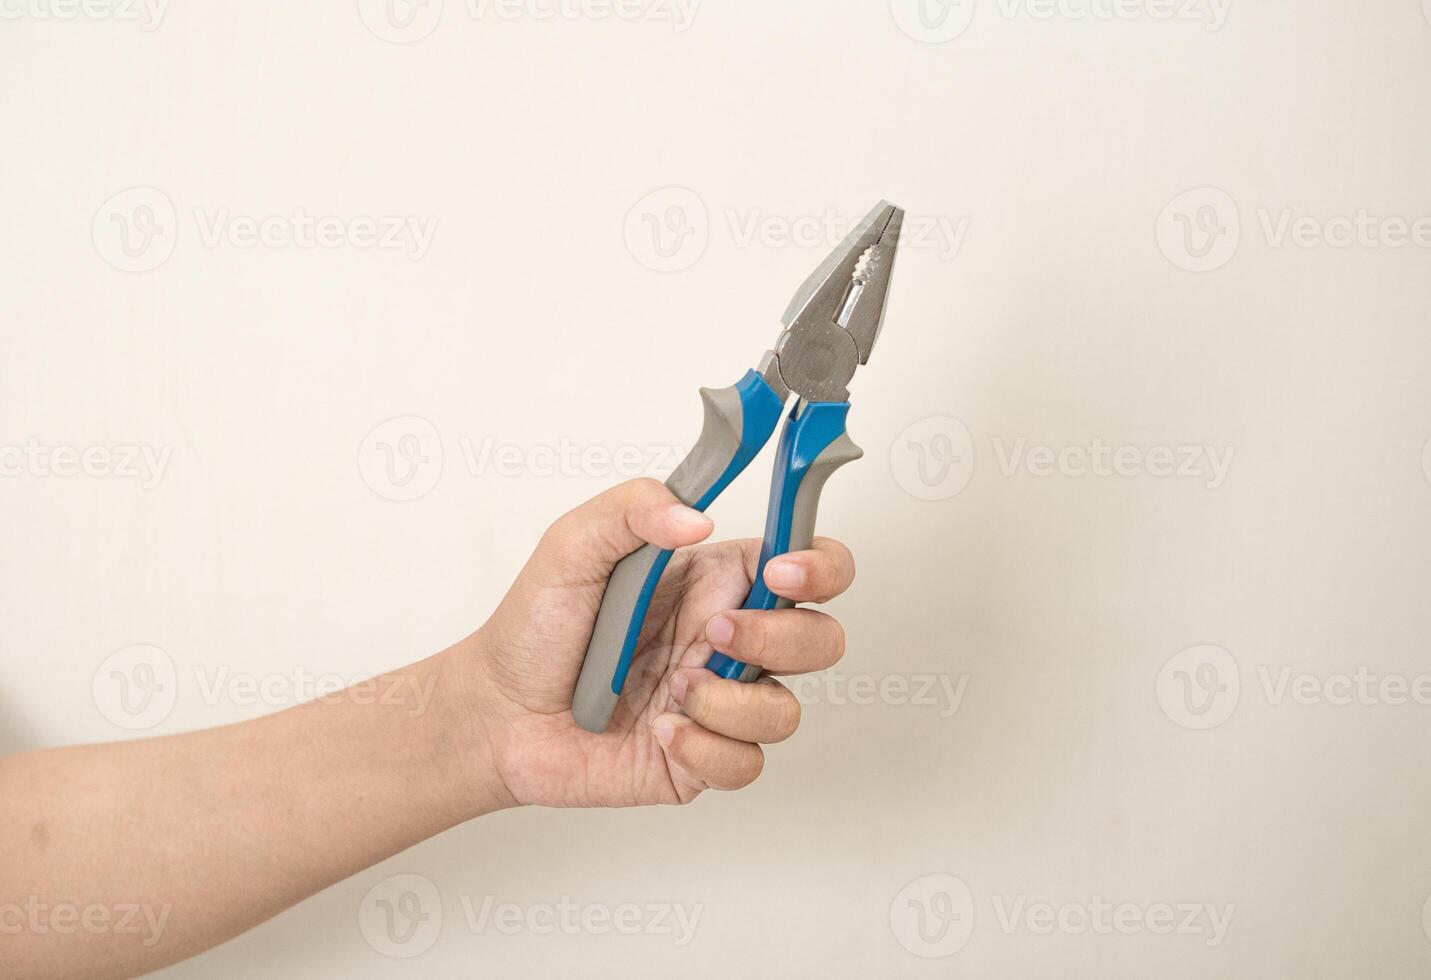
<point>833,321</point>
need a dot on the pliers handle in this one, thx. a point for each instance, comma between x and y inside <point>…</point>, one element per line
<point>739,421</point>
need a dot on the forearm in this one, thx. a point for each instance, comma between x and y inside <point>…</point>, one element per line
<point>193,838</point>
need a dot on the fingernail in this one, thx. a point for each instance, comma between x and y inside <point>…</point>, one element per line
<point>664,728</point>
<point>688,516</point>
<point>784,575</point>
<point>677,686</point>
<point>720,630</point>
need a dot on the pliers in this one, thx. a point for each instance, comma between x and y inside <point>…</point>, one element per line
<point>830,328</point>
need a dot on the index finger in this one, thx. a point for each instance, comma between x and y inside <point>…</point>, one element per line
<point>817,575</point>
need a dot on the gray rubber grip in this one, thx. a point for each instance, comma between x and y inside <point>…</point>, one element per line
<point>594,701</point>
<point>807,502</point>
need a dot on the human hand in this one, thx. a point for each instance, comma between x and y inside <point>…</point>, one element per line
<point>678,728</point>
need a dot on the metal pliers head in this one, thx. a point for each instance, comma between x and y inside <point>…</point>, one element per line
<point>834,319</point>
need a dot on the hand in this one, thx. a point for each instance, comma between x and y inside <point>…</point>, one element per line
<point>678,728</point>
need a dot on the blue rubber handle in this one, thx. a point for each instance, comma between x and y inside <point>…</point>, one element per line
<point>738,422</point>
<point>813,445</point>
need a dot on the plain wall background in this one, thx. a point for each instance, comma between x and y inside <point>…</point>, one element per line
<point>1068,311</point>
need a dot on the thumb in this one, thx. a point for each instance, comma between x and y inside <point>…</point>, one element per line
<point>586,542</point>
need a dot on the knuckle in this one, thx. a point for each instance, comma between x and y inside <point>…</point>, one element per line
<point>644,492</point>
<point>561,532</point>
<point>837,639</point>
<point>787,719</point>
<point>824,577</point>
<point>841,563</point>
<point>640,488</point>
<point>746,769</point>
<point>697,702</point>
<point>752,635</point>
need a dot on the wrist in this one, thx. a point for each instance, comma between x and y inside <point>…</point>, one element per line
<point>463,728</point>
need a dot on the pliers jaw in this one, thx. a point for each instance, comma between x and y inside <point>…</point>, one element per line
<point>835,317</point>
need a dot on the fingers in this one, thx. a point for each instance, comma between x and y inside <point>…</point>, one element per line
<point>817,575</point>
<point>613,524</point>
<point>716,760</point>
<point>765,711</point>
<point>784,641</point>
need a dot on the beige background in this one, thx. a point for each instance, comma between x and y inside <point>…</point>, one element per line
<point>1112,253</point>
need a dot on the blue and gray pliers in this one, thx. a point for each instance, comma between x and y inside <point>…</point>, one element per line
<point>830,328</point>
